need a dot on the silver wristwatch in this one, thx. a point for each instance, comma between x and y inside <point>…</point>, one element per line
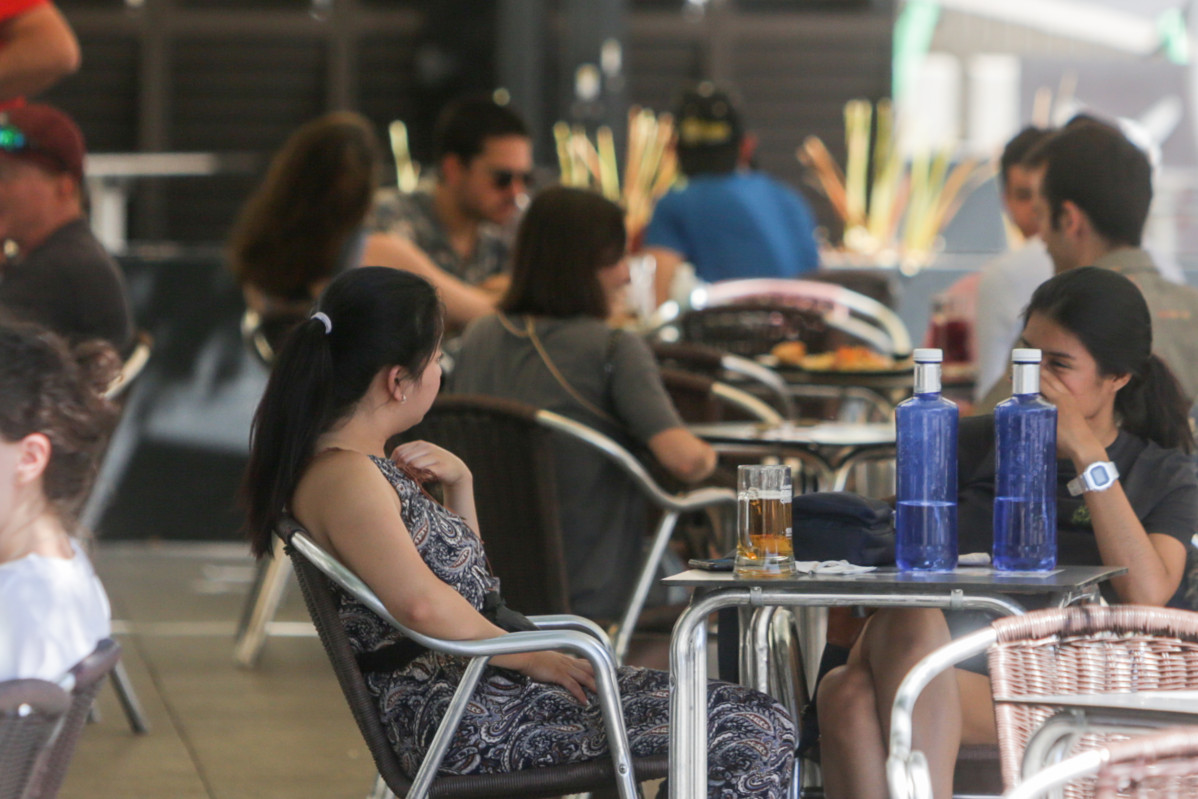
<point>1098,476</point>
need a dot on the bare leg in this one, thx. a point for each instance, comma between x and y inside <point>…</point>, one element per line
<point>855,704</point>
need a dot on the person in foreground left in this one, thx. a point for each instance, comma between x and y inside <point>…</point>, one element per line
<point>364,368</point>
<point>53,428</point>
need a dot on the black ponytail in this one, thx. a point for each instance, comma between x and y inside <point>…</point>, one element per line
<point>377,318</point>
<point>1152,406</point>
<point>1107,312</point>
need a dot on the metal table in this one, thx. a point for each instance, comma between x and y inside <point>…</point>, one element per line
<point>964,589</point>
<point>831,448</point>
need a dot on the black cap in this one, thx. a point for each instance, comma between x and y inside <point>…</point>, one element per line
<point>706,118</point>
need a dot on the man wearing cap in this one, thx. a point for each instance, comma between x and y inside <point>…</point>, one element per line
<point>55,272</point>
<point>727,221</point>
<point>484,168</point>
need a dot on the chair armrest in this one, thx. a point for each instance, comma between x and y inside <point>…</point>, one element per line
<point>738,364</point>
<point>569,622</point>
<point>746,402</point>
<point>907,771</point>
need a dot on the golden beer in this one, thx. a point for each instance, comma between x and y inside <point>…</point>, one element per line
<point>764,546</point>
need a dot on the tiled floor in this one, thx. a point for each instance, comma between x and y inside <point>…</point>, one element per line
<point>218,731</point>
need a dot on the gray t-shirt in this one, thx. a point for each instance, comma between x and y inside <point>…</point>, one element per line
<point>602,514</point>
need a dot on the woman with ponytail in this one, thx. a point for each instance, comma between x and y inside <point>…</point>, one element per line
<point>54,426</point>
<point>362,369</point>
<point>1116,403</point>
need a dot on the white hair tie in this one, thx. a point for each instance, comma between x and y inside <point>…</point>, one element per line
<point>324,320</point>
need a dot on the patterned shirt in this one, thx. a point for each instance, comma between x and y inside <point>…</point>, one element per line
<point>413,217</point>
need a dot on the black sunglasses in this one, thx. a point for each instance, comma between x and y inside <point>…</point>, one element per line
<point>503,178</point>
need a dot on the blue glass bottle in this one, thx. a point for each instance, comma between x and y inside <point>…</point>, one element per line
<point>1025,498</point>
<point>926,514</point>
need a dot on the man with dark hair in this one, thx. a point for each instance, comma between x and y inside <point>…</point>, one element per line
<point>727,221</point>
<point>55,272</point>
<point>1092,205</point>
<point>484,169</point>
<point>1008,281</point>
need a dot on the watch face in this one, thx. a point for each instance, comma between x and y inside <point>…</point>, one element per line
<point>1100,475</point>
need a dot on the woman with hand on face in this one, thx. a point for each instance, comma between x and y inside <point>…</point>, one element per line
<point>53,428</point>
<point>1117,405</point>
<point>361,370</point>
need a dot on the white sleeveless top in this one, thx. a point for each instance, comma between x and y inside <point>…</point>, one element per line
<point>53,612</point>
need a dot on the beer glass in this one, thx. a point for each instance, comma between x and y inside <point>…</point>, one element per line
<point>763,521</point>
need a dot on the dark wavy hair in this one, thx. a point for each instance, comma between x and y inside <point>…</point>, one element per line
<point>1107,312</point>
<point>564,239</point>
<point>380,318</point>
<point>293,230</point>
<point>51,389</point>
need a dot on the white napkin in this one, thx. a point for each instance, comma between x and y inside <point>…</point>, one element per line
<point>830,567</point>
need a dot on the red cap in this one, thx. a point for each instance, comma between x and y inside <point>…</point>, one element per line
<point>43,135</point>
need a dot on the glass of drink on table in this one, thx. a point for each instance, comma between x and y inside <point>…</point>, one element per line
<point>763,523</point>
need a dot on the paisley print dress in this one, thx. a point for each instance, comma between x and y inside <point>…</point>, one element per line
<point>516,723</point>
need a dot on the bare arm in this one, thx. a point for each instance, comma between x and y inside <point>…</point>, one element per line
<point>456,480</point>
<point>354,513</point>
<point>1154,562</point>
<point>38,48</point>
<point>463,302</point>
<point>667,266</point>
<point>683,454</point>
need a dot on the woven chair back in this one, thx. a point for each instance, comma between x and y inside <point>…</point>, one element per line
<point>30,712</point>
<point>751,329</point>
<point>1085,649</point>
<point>515,493</point>
<point>1157,765</point>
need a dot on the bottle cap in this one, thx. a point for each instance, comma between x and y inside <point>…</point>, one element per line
<point>928,355</point>
<point>1024,355</point>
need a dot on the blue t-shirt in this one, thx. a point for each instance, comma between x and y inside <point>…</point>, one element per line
<point>743,224</point>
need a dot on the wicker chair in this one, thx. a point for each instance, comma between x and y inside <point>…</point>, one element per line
<point>85,678</point>
<point>1058,651</point>
<point>318,572</point>
<point>758,380</point>
<point>699,398</point>
<point>1157,765</point>
<point>30,713</point>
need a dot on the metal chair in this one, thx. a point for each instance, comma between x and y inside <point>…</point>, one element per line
<point>1161,764</point>
<point>30,714</point>
<point>83,681</point>
<point>758,380</point>
<point>318,572</point>
<point>699,398</point>
<point>1058,651</point>
<point>513,472</point>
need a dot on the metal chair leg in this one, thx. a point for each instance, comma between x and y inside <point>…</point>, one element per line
<point>128,699</point>
<point>261,606</point>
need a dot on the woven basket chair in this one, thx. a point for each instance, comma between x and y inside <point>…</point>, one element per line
<point>1159,765</point>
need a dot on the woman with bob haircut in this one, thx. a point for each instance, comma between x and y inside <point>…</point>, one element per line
<point>1116,403</point>
<point>54,426</point>
<point>363,369</point>
<point>305,225</point>
<point>550,347</point>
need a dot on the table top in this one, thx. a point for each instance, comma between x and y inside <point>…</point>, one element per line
<point>1181,702</point>
<point>824,434</point>
<point>890,579</point>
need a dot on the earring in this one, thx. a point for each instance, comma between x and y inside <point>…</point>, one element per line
<point>403,398</point>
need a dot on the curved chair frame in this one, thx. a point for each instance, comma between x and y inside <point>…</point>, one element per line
<point>693,356</point>
<point>1124,642</point>
<point>31,714</point>
<point>571,634</point>
<point>671,505</point>
<point>880,326</point>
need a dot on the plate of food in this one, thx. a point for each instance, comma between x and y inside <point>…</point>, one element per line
<point>854,359</point>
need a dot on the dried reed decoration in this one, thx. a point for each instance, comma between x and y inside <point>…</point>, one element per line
<point>650,165</point>
<point>899,211</point>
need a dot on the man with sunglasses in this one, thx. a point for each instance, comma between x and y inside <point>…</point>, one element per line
<point>54,271</point>
<point>484,171</point>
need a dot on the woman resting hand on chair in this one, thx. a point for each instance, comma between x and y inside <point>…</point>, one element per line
<point>1117,402</point>
<point>54,426</point>
<point>550,347</point>
<point>363,369</point>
